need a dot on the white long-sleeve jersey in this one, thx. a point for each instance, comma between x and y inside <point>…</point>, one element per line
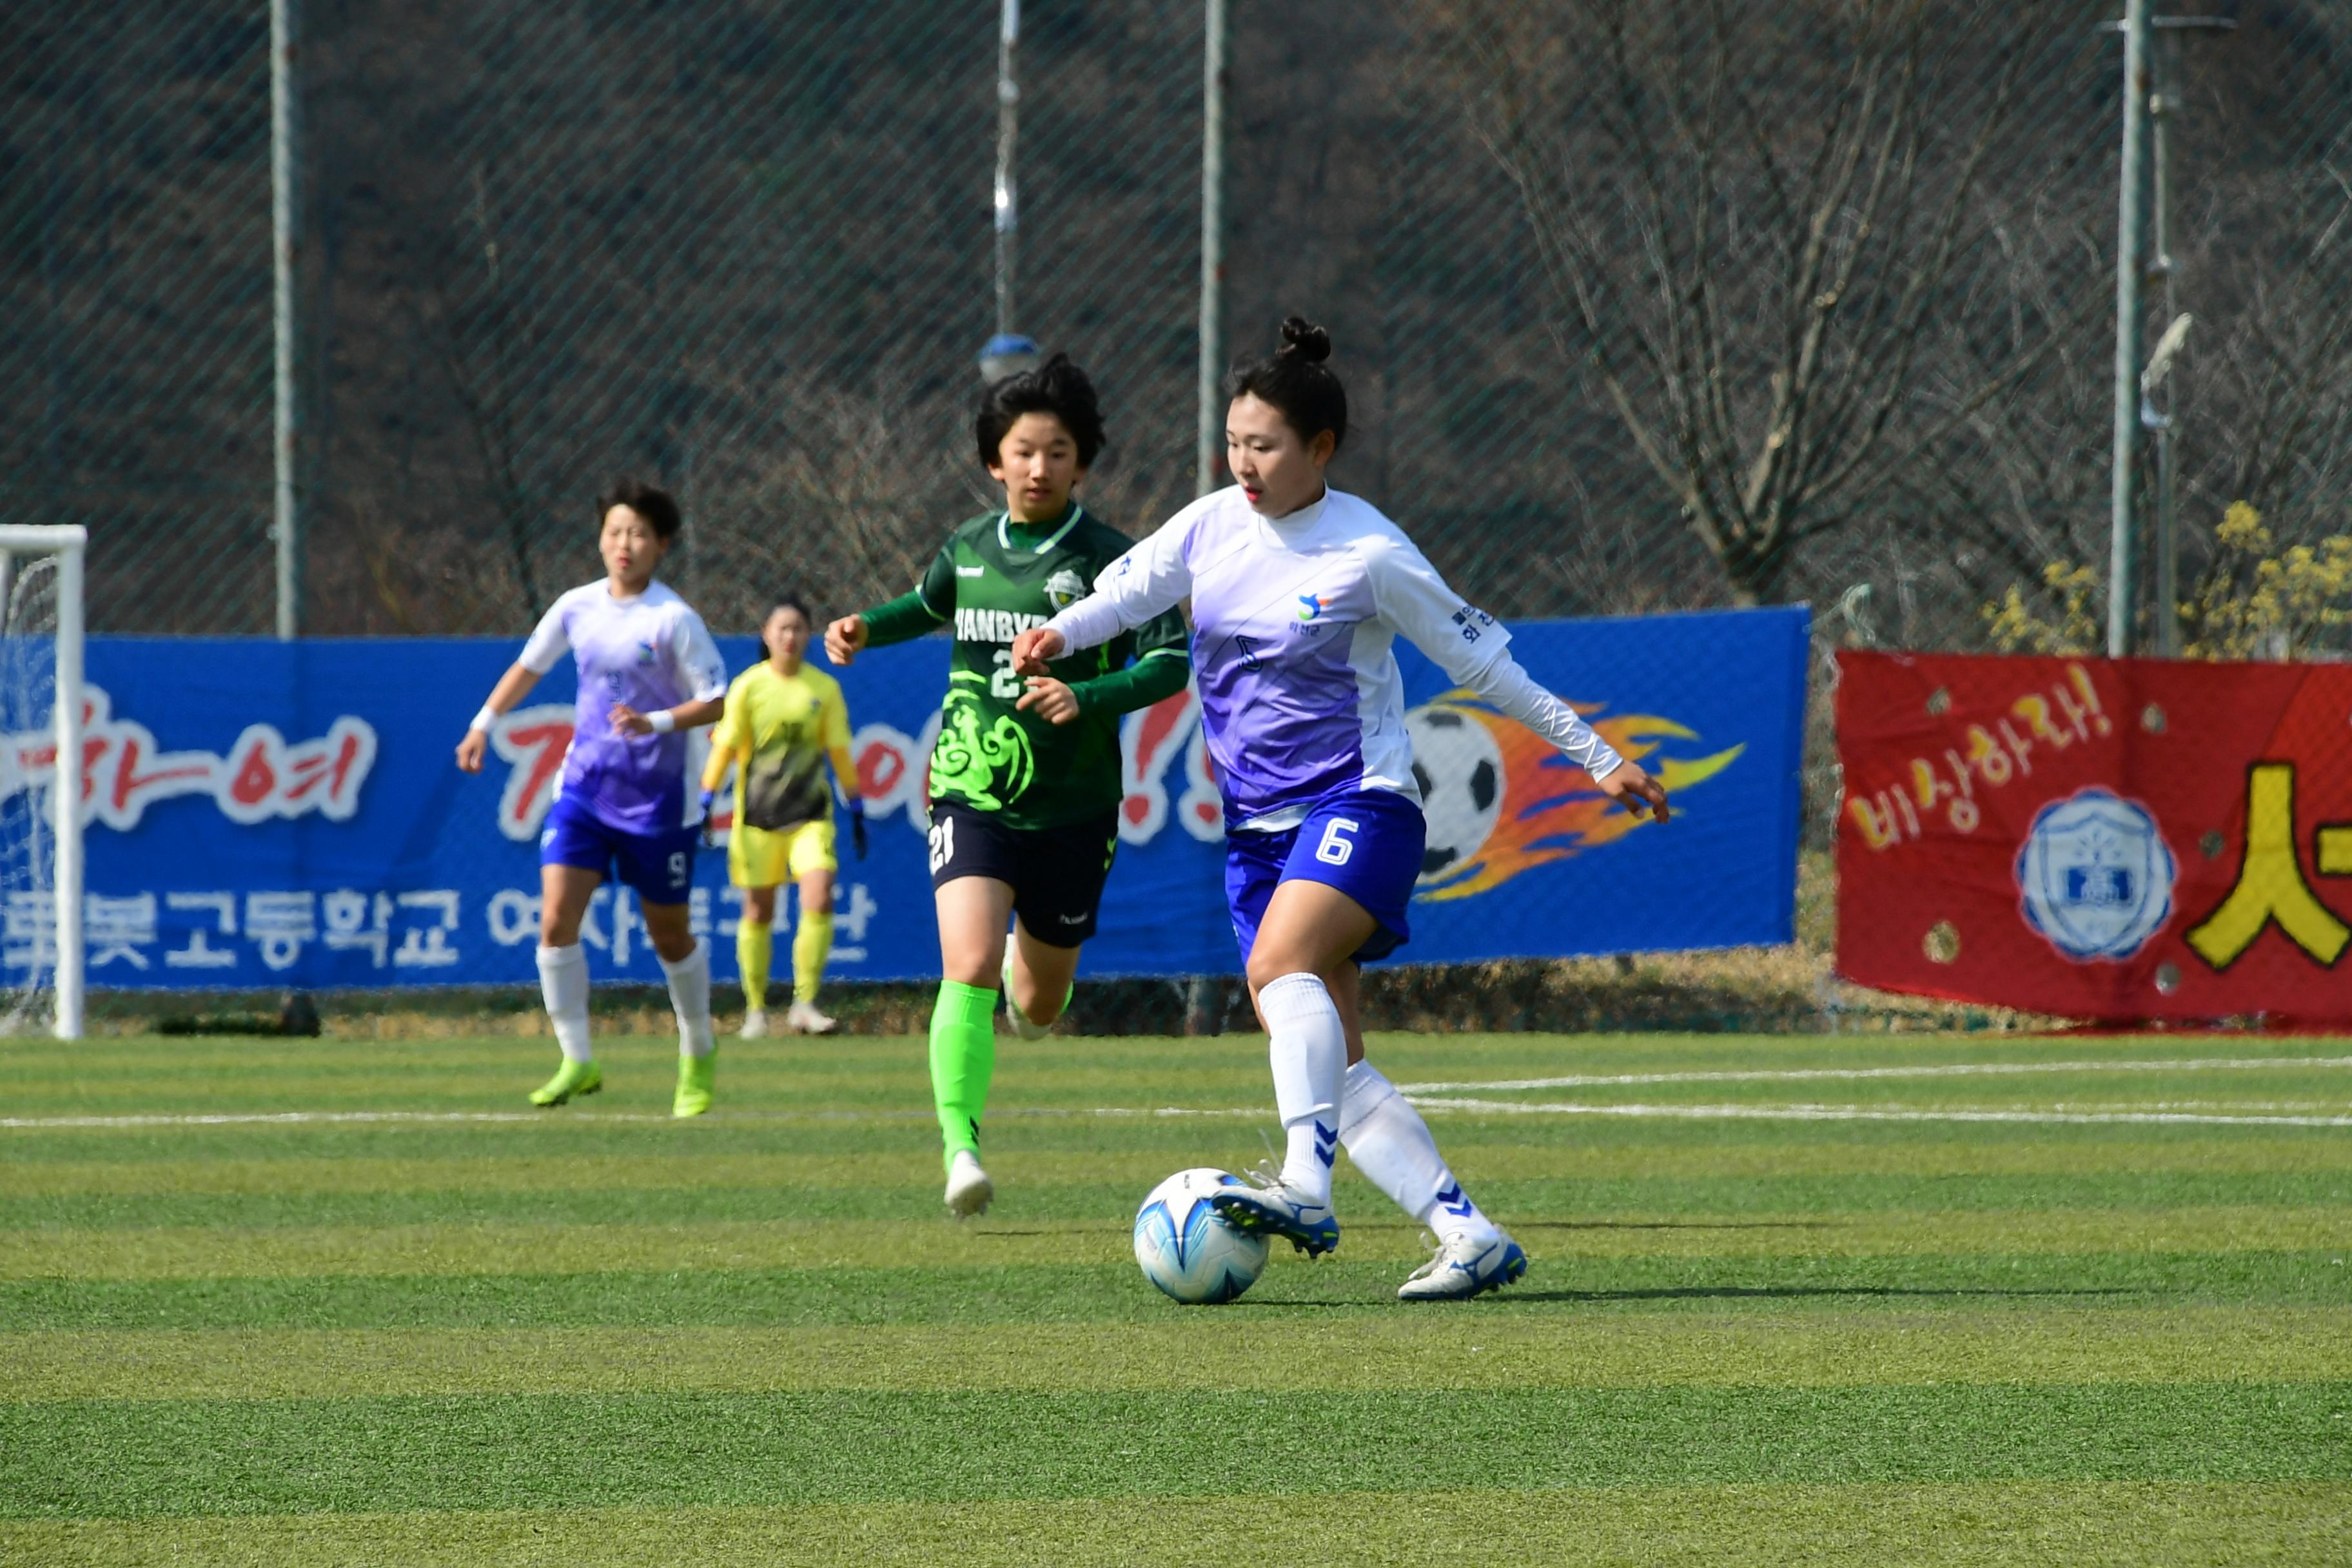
<point>1293,624</point>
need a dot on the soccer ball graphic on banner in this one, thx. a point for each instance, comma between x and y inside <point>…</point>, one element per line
<point>1187,1249</point>
<point>1460,770</point>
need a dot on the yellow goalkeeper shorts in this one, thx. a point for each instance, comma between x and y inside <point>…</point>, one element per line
<point>757,857</point>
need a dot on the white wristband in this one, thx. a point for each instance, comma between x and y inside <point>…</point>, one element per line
<point>485,720</point>
<point>663,721</point>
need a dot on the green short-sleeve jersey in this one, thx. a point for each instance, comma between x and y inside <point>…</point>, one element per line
<point>995,578</point>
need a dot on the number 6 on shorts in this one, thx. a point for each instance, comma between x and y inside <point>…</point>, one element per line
<point>1335,849</point>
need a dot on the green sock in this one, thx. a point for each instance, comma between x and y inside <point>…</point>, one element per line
<point>963,1058</point>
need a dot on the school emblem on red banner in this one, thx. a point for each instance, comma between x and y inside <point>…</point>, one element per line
<point>2112,839</point>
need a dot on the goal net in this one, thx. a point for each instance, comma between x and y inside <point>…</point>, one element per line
<point>40,821</point>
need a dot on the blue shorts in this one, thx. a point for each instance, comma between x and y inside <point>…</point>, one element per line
<point>659,866</point>
<point>1366,843</point>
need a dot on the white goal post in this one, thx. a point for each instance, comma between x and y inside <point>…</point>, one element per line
<point>40,813</point>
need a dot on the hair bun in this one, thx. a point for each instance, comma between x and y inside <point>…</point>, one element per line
<point>1302,339</point>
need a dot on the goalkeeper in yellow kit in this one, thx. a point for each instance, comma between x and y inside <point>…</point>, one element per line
<point>784,721</point>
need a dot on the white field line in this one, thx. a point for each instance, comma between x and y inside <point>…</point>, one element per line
<point>1868,1113</point>
<point>565,1118</point>
<point>1948,1070</point>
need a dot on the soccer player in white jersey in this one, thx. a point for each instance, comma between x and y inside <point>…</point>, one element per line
<point>649,673</point>
<point>1297,593</point>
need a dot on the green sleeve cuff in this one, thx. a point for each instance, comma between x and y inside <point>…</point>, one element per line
<point>1140,685</point>
<point>903,619</point>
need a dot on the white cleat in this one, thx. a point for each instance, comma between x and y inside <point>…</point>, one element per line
<point>970,1191</point>
<point>755,1024</point>
<point>1464,1267</point>
<point>1022,1026</point>
<point>1277,1208</point>
<point>804,1019</point>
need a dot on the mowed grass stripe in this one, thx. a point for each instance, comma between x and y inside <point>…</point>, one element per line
<point>1548,1147</point>
<point>1512,1201</point>
<point>1334,1288</point>
<point>2086,1525</point>
<point>1441,1349</point>
<point>195,1252</point>
<point>463,1165</point>
<point>887,1074</point>
<point>129,1457</point>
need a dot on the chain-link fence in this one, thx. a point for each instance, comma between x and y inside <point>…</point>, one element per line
<point>1642,306</point>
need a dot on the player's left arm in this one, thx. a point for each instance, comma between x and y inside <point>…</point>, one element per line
<point>1474,649</point>
<point>723,746</point>
<point>833,732</point>
<point>694,660</point>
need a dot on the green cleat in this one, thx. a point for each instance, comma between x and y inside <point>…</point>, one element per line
<point>573,1077</point>
<point>695,1077</point>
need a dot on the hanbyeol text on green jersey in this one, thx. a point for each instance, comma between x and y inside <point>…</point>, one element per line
<point>993,580</point>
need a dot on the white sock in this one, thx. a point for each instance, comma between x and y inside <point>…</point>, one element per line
<point>563,983</point>
<point>1391,1144</point>
<point>1308,1050</point>
<point>689,994</point>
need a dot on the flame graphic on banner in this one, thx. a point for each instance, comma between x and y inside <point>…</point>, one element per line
<point>1499,800</point>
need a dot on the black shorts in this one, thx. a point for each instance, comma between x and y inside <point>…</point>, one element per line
<point>1056,874</point>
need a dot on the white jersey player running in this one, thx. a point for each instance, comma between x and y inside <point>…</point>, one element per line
<point>1298,592</point>
<point>649,673</point>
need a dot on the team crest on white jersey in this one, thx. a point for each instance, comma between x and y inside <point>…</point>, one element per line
<point>2095,876</point>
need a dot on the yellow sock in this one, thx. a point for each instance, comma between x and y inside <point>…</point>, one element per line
<point>753,943</point>
<point>811,945</point>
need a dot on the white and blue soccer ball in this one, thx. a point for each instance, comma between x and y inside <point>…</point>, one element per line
<point>1185,1247</point>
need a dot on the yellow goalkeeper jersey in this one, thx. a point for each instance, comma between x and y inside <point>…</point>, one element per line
<point>780,729</point>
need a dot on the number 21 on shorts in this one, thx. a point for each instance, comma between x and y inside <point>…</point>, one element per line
<point>1337,844</point>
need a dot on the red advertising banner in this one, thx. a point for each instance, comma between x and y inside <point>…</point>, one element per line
<point>2110,840</point>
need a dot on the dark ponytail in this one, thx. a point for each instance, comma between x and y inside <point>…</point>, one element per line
<point>1294,380</point>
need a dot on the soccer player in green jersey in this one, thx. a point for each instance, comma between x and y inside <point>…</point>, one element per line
<point>1024,781</point>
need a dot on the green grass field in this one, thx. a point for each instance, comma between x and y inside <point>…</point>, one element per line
<point>269,1301</point>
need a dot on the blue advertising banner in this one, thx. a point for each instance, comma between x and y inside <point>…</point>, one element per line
<point>271,815</point>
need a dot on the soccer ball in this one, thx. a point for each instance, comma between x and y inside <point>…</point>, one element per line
<point>1185,1247</point>
<point>1460,770</point>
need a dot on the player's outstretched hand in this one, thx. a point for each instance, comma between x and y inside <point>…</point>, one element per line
<point>472,750</point>
<point>1636,791</point>
<point>1031,649</point>
<point>845,639</point>
<point>857,827</point>
<point>1049,699</point>
<point>707,796</point>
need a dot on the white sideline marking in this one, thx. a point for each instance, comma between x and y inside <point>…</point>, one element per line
<point>1869,1114</point>
<point>1948,1070</point>
<point>561,1119</point>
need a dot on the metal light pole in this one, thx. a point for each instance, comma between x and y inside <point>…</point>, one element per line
<point>1209,434</point>
<point>2158,421</point>
<point>1008,128</point>
<point>285,238</point>
<point>2170,38</point>
<point>2128,260</point>
<point>1204,993</point>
